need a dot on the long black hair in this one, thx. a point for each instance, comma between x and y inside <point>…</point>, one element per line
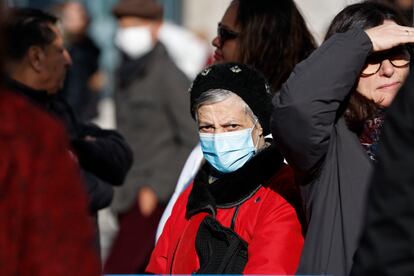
<point>273,37</point>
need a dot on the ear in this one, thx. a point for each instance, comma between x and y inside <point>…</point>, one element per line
<point>36,56</point>
<point>155,28</point>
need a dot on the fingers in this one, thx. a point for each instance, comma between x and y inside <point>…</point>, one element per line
<point>389,35</point>
<point>404,30</point>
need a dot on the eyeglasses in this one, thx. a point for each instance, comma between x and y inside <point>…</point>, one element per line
<point>225,34</point>
<point>399,57</point>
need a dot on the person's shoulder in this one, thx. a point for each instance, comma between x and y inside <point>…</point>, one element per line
<point>282,185</point>
<point>166,66</point>
<point>22,119</point>
<point>178,213</point>
<point>282,178</point>
<point>183,198</point>
<point>180,205</point>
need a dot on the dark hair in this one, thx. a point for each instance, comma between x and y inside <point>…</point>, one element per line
<point>364,16</point>
<point>25,27</point>
<point>273,37</point>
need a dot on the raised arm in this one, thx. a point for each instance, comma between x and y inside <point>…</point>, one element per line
<point>309,102</point>
<point>315,95</point>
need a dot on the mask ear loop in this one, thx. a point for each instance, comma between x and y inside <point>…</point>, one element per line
<point>257,142</point>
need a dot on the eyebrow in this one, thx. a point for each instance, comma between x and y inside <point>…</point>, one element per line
<point>228,122</point>
<point>204,124</point>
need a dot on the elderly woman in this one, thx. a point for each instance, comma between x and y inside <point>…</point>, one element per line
<point>327,120</point>
<point>233,218</point>
<point>285,41</point>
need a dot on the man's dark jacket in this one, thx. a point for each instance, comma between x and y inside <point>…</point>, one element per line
<point>153,114</point>
<point>103,155</point>
<point>77,91</point>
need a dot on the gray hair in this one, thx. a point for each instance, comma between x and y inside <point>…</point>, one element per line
<point>213,96</point>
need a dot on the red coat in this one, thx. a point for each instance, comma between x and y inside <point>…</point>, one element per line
<point>45,229</point>
<point>265,220</point>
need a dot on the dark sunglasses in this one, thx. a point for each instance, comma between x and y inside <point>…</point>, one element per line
<point>225,34</point>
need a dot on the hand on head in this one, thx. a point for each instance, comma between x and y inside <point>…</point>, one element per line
<point>389,35</point>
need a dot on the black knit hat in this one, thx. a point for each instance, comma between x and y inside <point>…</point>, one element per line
<point>244,81</point>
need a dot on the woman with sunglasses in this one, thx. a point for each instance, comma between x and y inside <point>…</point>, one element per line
<point>271,36</point>
<point>327,121</point>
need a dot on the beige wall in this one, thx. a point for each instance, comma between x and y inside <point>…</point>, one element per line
<point>202,16</point>
<point>319,13</point>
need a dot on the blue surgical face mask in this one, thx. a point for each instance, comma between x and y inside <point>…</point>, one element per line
<point>228,151</point>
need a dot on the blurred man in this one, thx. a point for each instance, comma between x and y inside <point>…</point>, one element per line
<point>36,64</point>
<point>45,229</point>
<point>83,81</point>
<point>153,113</point>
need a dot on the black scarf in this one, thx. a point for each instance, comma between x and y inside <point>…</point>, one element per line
<point>234,188</point>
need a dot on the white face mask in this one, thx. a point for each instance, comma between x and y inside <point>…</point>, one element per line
<point>134,41</point>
